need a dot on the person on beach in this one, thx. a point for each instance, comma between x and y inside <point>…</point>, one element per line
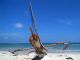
<point>40,50</point>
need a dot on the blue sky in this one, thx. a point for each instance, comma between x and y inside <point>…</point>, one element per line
<point>56,20</point>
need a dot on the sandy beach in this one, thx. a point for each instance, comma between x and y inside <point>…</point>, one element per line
<point>47,27</point>
<point>6,55</point>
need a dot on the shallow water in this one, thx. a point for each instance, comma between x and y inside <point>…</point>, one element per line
<point>72,47</point>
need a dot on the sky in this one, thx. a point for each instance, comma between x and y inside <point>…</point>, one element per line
<point>56,20</point>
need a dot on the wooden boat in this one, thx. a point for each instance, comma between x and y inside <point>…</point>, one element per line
<point>34,38</point>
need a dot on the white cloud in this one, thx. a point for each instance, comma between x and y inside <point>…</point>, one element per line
<point>5,37</point>
<point>9,34</point>
<point>18,25</point>
<point>65,22</point>
<point>61,21</point>
<point>69,23</point>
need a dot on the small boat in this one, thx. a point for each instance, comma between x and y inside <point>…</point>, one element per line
<point>34,38</point>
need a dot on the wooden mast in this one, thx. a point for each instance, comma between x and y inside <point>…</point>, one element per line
<point>34,24</point>
<point>33,21</point>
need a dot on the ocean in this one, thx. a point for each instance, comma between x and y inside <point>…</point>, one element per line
<point>72,47</point>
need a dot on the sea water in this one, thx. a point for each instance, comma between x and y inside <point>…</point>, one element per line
<point>59,48</point>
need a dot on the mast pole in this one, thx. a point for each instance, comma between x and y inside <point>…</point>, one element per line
<point>33,21</point>
<point>34,24</point>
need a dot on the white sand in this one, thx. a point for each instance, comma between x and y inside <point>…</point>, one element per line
<point>5,55</point>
